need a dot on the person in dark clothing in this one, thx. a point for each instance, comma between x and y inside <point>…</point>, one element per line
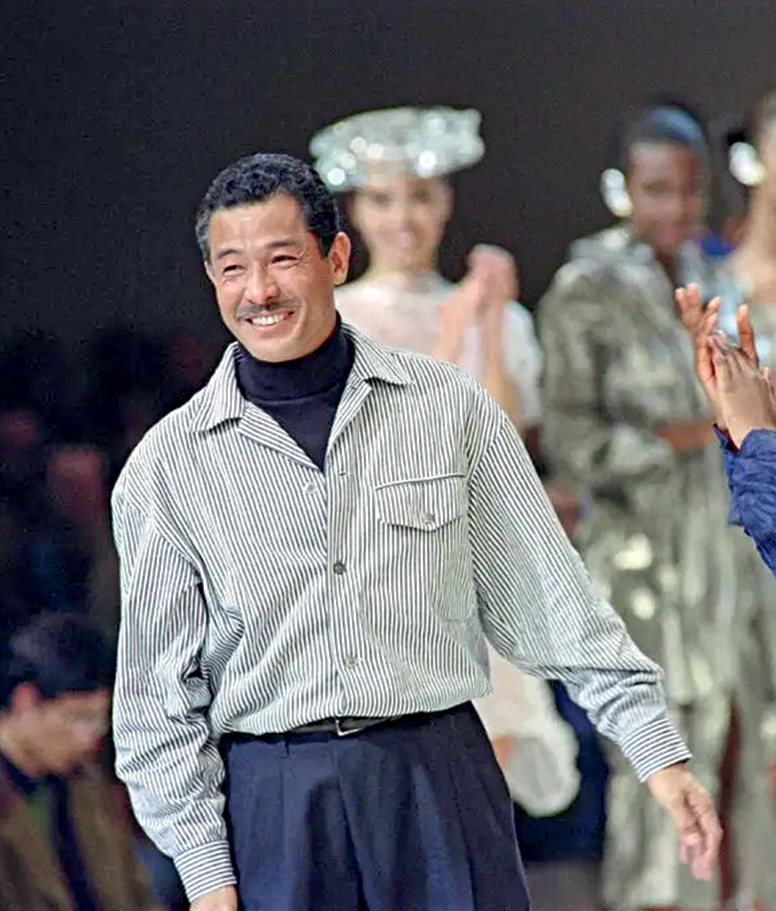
<point>65,843</point>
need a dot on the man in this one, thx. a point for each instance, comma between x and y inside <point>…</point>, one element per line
<point>313,551</point>
<point>65,841</point>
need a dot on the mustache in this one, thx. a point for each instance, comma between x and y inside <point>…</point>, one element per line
<point>253,310</point>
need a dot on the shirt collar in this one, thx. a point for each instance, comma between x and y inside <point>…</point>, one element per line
<point>222,400</point>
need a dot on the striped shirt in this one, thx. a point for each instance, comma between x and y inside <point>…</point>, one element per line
<point>259,593</point>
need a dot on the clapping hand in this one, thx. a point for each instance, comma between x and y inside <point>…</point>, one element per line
<point>746,396</point>
<point>740,393</point>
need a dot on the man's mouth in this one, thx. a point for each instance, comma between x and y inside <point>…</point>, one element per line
<point>268,319</point>
<point>271,319</point>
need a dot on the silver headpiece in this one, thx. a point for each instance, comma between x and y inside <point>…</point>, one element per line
<point>426,142</point>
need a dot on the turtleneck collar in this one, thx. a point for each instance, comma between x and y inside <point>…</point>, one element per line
<point>305,377</point>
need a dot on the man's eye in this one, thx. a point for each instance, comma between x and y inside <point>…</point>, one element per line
<point>230,269</point>
<point>283,258</point>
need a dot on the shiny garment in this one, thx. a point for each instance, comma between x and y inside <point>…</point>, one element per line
<point>618,365</point>
<point>403,312</point>
<point>260,593</point>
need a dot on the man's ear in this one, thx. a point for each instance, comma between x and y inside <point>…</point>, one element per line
<point>209,271</point>
<point>339,258</point>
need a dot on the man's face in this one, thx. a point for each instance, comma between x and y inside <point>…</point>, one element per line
<point>274,287</point>
<point>61,733</point>
<point>666,183</point>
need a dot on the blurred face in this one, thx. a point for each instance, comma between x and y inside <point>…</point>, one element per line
<point>402,220</point>
<point>666,184</point>
<point>75,482</point>
<point>57,735</point>
<point>274,287</point>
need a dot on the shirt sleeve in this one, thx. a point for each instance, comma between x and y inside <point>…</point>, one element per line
<point>164,752</point>
<point>539,609</point>
<point>751,473</point>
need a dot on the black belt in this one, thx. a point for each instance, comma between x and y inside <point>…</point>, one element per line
<point>342,727</point>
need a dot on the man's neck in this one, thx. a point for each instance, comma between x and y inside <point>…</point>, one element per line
<point>298,379</point>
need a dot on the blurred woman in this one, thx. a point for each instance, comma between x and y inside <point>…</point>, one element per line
<point>395,165</point>
<point>625,418</point>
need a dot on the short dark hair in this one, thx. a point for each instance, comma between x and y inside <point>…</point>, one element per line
<point>669,122</point>
<point>59,653</point>
<point>262,176</point>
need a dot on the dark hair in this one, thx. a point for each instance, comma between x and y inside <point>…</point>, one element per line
<point>58,653</point>
<point>669,122</point>
<point>262,176</point>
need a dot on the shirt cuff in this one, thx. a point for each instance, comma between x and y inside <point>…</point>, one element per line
<point>655,746</point>
<point>205,869</point>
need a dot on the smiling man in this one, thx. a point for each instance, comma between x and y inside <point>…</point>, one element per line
<point>314,551</point>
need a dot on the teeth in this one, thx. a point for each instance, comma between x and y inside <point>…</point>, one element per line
<point>271,320</point>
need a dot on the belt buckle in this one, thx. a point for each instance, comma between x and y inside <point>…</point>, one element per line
<point>344,732</point>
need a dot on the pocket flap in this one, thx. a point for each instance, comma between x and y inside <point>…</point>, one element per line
<point>425,504</point>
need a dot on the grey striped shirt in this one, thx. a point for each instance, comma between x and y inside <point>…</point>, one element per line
<point>259,593</point>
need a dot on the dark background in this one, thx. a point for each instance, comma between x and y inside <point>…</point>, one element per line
<point>116,116</point>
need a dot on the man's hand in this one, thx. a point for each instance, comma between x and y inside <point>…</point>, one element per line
<point>746,395</point>
<point>503,750</point>
<point>686,436</point>
<point>693,814</point>
<point>224,899</point>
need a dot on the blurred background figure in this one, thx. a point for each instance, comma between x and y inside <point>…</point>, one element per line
<point>748,276</point>
<point>625,419</point>
<point>394,165</point>
<point>66,839</point>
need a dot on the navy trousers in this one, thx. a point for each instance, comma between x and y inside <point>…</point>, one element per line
<point>413,815</point>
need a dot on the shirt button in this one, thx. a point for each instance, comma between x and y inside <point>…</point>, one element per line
<point>429,518</point>
<point>310,488</point>
<point>351,661</point>
<point>339,568</point>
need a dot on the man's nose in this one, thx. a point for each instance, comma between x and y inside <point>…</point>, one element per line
<point>261,288</point>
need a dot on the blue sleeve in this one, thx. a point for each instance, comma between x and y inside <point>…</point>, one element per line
<point>751,476</point>
<point>730,455</point>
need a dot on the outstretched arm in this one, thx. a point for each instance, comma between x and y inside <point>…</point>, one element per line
<point>540,611</point>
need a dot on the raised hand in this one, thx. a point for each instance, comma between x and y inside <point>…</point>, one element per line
<point>495,268</point>
<point>701,323</point>
<point>745,392</point>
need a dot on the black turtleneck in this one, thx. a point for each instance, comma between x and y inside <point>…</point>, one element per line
<point>301,395</point>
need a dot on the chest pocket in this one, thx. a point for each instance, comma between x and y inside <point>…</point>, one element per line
<point>426,504</point>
